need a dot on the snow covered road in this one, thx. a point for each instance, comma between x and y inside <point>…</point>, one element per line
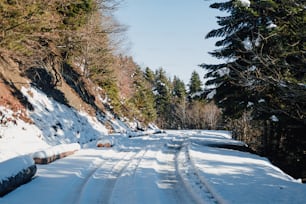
<point>174,167</point>
<point>139,170</point>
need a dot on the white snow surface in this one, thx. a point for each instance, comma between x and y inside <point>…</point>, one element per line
<point>59,123</point>
<point>271,25</point>
<point>171,167</point>
<point>56,150</point>
<point>245,3</point>
<point>274,118</point>
<point>247,44</point>
<point>183,166</point>
<point>13,166</point>
<point>211,94</point>
<point>18,139</point>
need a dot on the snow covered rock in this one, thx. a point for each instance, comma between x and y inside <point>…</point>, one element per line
<point>144,133</point>
<point>245,3</point>
<point>105,142</point>
<point>15,172</point>
<point>56,152</point>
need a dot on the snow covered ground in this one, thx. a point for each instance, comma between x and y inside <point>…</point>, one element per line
<point>170,167</point>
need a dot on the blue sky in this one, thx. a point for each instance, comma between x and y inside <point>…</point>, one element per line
<point>169,34</point>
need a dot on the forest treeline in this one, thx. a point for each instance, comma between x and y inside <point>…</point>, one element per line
<point>79,41</point>
<point>258,92</point>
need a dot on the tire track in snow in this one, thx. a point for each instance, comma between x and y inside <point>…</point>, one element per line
<point>170,178</point>
<point>152,177</point>
<point>129,162</point>
<point>135,183</point>
<point>89,176</point>
<point>98,185</point>
<point>194,184</point>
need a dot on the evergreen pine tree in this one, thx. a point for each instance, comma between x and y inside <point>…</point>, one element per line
<point>162,92</point>
<point>262,53</point>
<point>149,75</point>
<point>179,89</point>
<point>263,46</point>
<point>195,86</point>
<point>143,98</point>
<point>178,105</point>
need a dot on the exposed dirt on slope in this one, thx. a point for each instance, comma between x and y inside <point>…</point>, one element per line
<point>76,92</point>
<point>10,95</point>
<point>8,100</point>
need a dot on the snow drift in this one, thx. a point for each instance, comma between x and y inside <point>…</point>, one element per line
<point>15,172</point>
<point>56,152</point>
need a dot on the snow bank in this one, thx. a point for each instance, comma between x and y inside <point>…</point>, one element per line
<point>59,123</point>
<point>15,172</point>
<point>142,133</point>
<point>55,152</point>
<point>12,166</point>
<point>229,173</point>
<point>118,126</point>
<point>18,137</point>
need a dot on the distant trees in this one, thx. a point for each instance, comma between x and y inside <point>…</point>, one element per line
<point>263,77</point>
<point>200,113</point>
<point>162,92</point>
<point>135,96</point>
<point>195,86</point>
<point>178,108</point>
<point>143,98</point>
<point>179,103</point>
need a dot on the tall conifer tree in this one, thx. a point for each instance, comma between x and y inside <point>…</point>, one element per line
<point>263,46</point>
<point>162,92</point>
<point>195,86</point>
<point>263,51</point>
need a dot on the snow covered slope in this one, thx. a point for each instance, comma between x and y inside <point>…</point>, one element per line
<point>53,124</point>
